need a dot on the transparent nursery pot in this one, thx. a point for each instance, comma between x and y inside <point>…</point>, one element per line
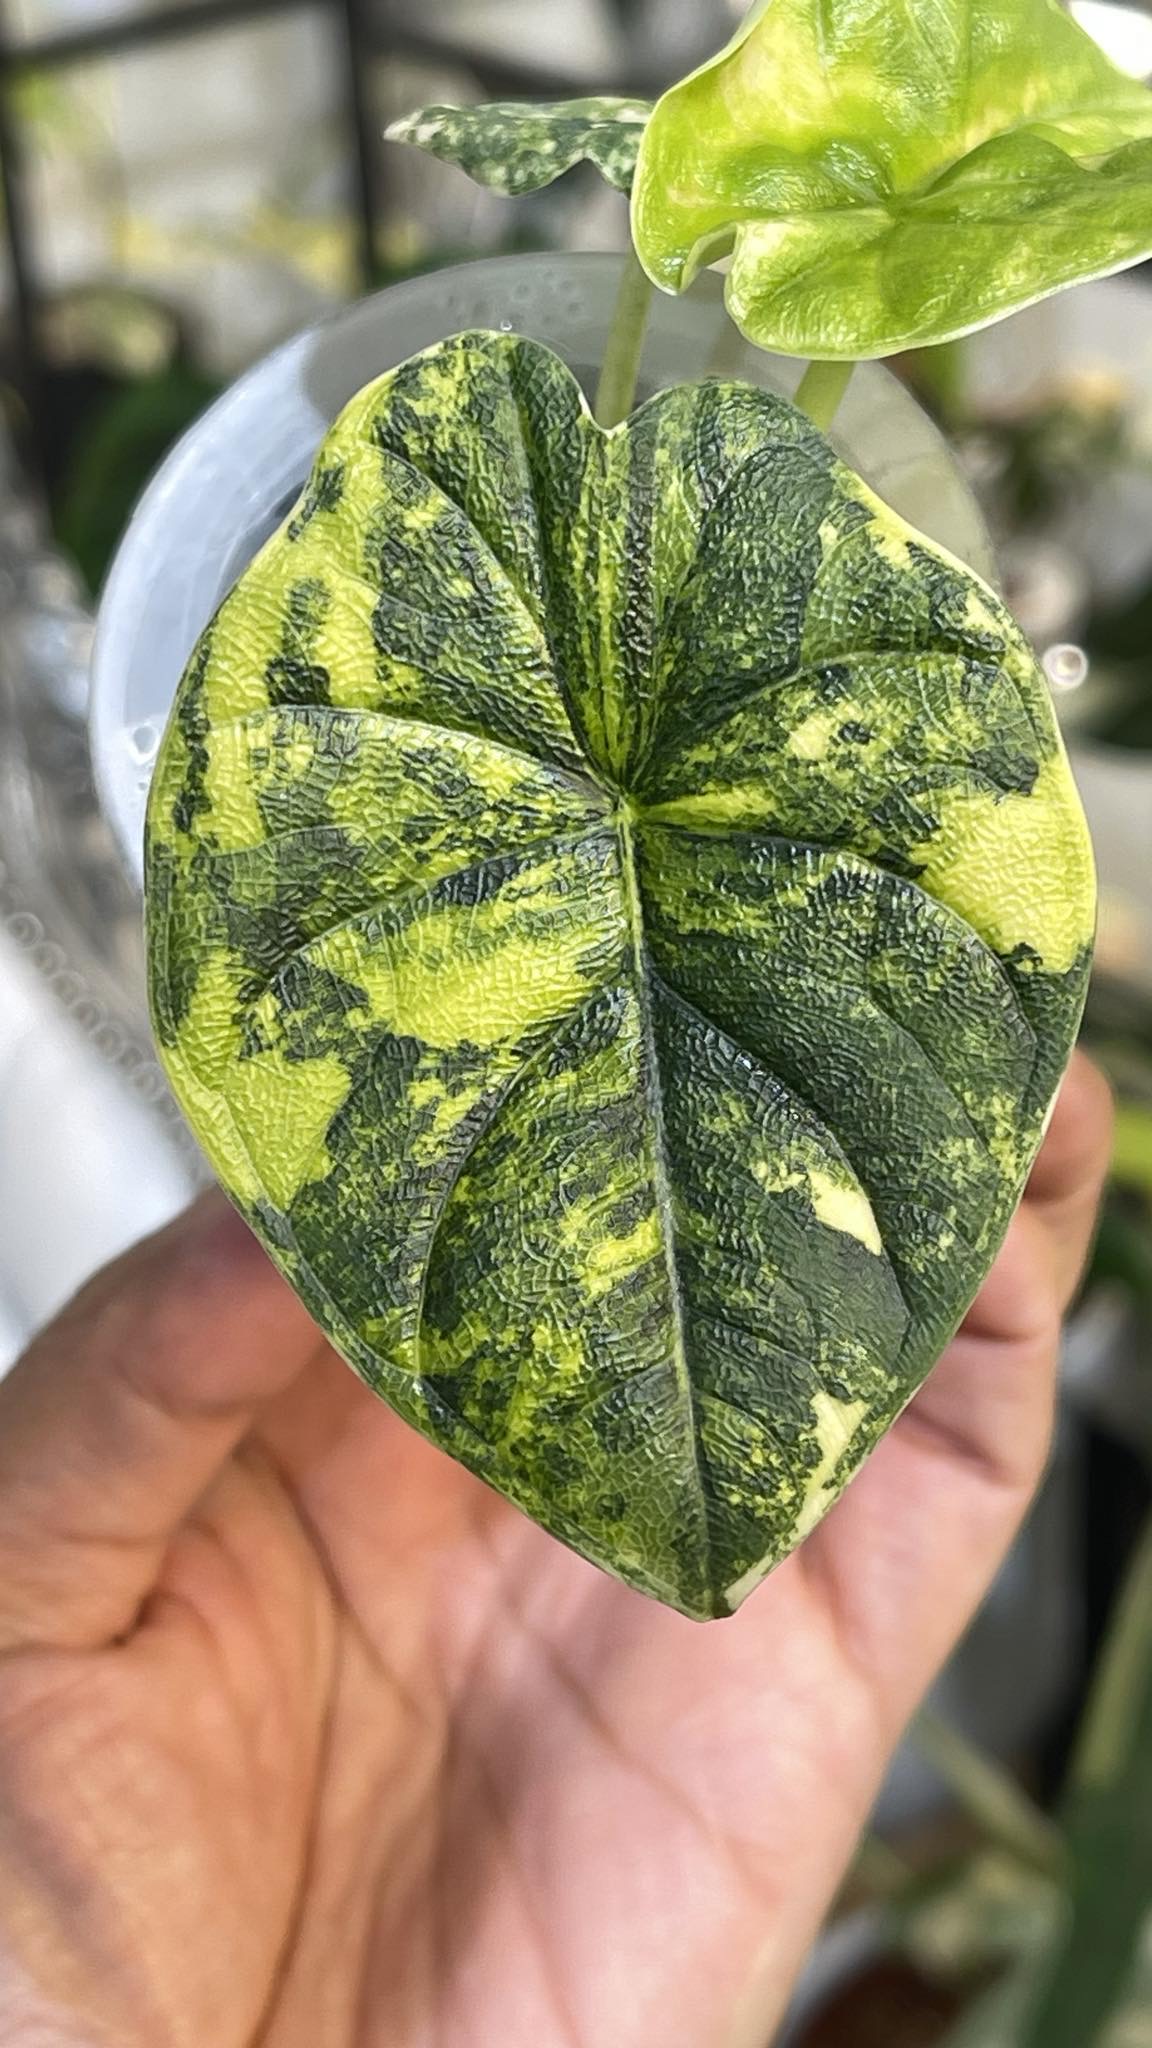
<point>233,478</point>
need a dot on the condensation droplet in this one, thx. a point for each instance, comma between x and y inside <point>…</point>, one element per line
<point>1066,666</point>
<point>144,741</point>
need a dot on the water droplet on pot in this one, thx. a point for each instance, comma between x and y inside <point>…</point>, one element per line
<point>1066,666</point>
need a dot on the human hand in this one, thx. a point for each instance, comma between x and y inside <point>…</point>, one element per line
<point>308,1740</point>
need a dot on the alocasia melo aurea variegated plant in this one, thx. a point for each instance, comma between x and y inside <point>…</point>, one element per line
<point>619,909</point>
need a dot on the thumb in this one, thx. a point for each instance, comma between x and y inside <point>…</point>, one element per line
<point>122,1412</point>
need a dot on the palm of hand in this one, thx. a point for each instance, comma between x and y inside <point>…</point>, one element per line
<point>379,1763</point>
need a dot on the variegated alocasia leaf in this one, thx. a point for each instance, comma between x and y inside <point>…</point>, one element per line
<point>518,148</point>
<point>618,915</point>
<point>894,172</point>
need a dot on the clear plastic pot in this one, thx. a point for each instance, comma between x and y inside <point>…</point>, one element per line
<point>230,482</point>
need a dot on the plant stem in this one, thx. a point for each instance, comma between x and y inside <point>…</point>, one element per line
<point>821,390</point>
<point>1107,1815</point>
<point>989,1796</point>
<point>729,357</point>
<point>616,391</point>
<point>878,1869</point>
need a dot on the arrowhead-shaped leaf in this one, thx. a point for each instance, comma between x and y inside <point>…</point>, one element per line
<point>517,148</point>
<point>619,913</point>
<point>895,172</point>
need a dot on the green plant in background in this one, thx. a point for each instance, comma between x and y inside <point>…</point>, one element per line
<point>1056,1914</point>
<point>114,455</point>
<point>1118,1029</point>
<point>1085,1985</point>
<point>1045,450</point>
<point>1038,1933</point>
<point>1045,463</point>
<point>1117,636</point>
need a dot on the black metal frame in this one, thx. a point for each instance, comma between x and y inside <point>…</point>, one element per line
<point>189,18</point>
<point>366,31</point>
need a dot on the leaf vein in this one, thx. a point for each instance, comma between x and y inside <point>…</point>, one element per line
<point>825,850</point>
<point>854,658</point>
<point>492,1109</point>
<point>526,601</point>
<point>388,906</point>
<point>400,722</point>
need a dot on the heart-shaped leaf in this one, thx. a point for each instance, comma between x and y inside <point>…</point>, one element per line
<point>619,913</point>
<point>894,172</point>
<point>518,148</point>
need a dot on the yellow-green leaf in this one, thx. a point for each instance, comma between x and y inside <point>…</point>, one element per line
<point>887,173</point>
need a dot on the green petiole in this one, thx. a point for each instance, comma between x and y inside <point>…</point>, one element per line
<point>616,392</point>
<point>821,391</point>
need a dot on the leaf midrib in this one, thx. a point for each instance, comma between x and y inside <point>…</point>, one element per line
<point>664,759</point>
<point>661,1179</point>
<point>903,197</point>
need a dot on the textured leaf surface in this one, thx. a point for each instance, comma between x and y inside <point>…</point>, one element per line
<point>895,172</point>
<point>518,148</point>
<point>619,912</point>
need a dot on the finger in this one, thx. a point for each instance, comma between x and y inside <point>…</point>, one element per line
<point>991,1399</point>
<point>989,1403</point>
<point>122,1412</point>
<point>909,1552</point>
<point>1023,1297</point>
<point>1068,1179</point>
